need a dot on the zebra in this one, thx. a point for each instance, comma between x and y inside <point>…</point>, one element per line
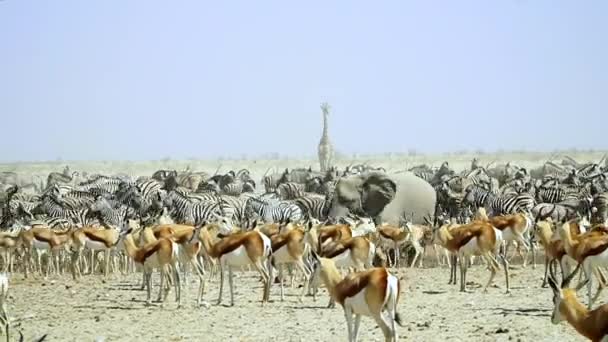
<point>427,175</point>
<point>316,207</point>
<point>274,211</point>
<point>52,222</point>
<point>233,189</point>
<point>185,211</point>
<point>149,187</point>
<point>497,204</point>
<point>290,190</point>
<point>315,185</point>
<point>272,180</point>
<point>234,208</point>
<point>129,195</point>
<point>299,175</point>
<point>208,187</point>
<point>52,206</point>
<point>101,185</point>
<point>108,215</point>
<point>77,199</point>
<point>478,177</point>
<point>161,175</point>
<point>588,171</point>
<point>448,201</point>
<point>329,187</point>
<point>600,208</point>
<point>556,212</point>
<point>550,195</point>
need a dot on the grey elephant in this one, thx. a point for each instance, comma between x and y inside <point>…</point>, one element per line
<point>386,198</point>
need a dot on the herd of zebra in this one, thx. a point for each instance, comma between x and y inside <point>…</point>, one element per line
<point>552,190</point>
<point>186,197</point>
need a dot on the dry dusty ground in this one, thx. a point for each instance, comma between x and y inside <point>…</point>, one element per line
<point>432,311</point>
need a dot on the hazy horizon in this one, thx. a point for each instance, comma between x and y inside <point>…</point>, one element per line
<point>152,80</point>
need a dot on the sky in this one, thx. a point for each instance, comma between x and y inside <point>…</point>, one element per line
<point>139,80</point>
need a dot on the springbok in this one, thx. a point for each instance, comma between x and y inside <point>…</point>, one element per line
<point>95,239</point>
<point>289,248</point>
<point>554,249</point>
<point>478,238</point>
<point>8,244</point>
<point>237,250</point>
<point>593,324</point>
<point>161,254</point>
<point>374,293</point>
<point>590,250</point>
<point>357,252</point>
<point>361,227</point>
<point>44,239</point>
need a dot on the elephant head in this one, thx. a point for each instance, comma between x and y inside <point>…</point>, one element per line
<point>364,194</point>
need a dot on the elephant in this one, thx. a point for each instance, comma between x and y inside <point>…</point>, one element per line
<point>386,198</point>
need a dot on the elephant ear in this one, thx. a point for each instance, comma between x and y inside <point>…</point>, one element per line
<point>348,189</point>
<point>378,191</point>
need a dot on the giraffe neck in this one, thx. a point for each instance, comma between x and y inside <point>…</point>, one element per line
<point>324,136</point>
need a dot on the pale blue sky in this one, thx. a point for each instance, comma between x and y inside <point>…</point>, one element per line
<point>151,79</point>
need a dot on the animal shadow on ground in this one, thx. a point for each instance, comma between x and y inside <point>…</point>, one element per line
<point>431,292</point>
<point>533,312</point>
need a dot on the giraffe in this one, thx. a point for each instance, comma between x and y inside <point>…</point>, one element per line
<point>326,150</point>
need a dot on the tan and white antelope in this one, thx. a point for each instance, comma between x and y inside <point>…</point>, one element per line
<point>419,234</point>
<point>374,293</point>
<point>477,238</point>
<point>189,248</point>
<point>326,234</point>
<point>94,239</point>
<point>514,228</point>
<point>8,245</point>
<point>593,324</point>
<point>357,252</point>
<point>393,237</point>
<point>590,250</point>
<point>44,239</point>
<point>289,248</point>
<point>237,250</point>
<point>554,249</point>
<point>161,254</point>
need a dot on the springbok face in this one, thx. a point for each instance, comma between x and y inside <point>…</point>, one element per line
<point>225,225</point>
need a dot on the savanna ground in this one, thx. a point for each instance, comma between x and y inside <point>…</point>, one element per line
<point>114,310</point>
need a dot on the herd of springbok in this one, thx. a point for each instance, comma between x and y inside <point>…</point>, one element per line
<point>355,260</point>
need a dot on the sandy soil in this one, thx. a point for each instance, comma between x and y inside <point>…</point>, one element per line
<point>432,311</point>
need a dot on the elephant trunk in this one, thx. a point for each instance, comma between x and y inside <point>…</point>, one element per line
<point>337,210</point>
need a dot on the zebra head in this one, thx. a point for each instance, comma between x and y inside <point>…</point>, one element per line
<point>100,203</point>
